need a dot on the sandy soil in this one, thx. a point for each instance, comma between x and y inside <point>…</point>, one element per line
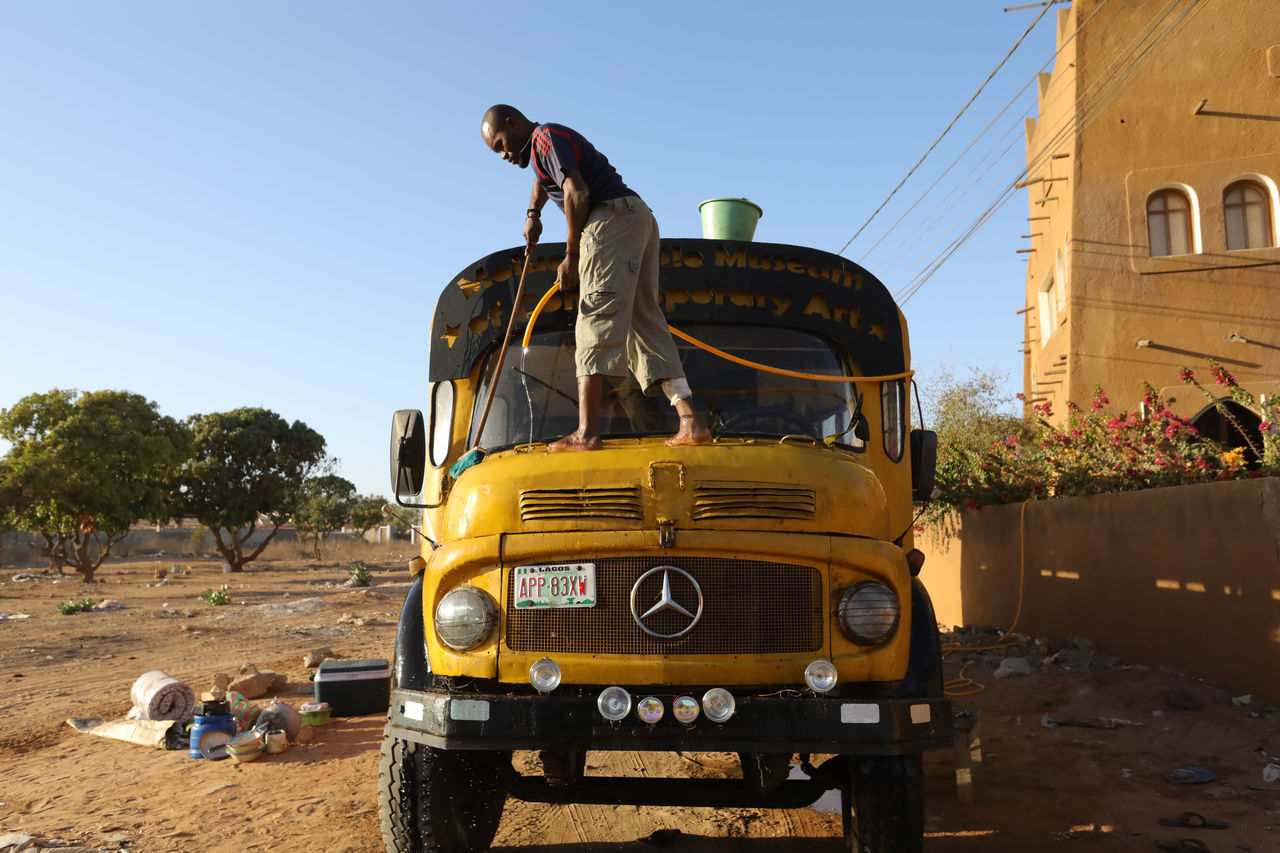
<point>1069,788</point>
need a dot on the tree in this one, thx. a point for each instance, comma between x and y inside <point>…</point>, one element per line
<point>247,470</point>
<point>326,506</point>
<point>367,512</point>
<point>84,468</point>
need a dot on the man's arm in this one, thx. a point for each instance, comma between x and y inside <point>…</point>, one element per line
<point>577,206</point>
<point>533,220</point>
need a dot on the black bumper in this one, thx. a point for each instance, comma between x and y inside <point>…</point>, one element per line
<point>779,724</point>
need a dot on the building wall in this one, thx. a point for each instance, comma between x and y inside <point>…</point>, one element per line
<point>1186,576</point>
<point>1147,94</point>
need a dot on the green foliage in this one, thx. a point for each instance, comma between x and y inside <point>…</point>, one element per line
<point>1094,450</point>
<point>361,575</point>
<point>367,512</point>
<point>248,465</point>
<point>325,505</point>
<point>66,608</point>
<point>217,596</point>
<point>84,467</point>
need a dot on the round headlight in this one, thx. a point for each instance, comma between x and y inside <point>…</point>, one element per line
<point>650,709</point>
<point>820,676</point>
<point>614,703</point>
<point>868,612</point>
<point>718,704</point>
<point>544,675</point>
<point>686,709</point>
<point>464,618</point>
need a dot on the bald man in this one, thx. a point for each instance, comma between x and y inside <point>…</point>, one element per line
<point>611,244</point>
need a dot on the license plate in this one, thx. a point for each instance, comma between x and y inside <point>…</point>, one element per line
<point>555,585</point>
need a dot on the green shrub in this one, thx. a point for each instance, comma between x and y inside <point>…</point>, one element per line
<point>66,608</point>
<point>217,596</point>
<point>361,575</point>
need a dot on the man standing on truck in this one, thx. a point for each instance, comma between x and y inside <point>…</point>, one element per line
<point>611,244</point>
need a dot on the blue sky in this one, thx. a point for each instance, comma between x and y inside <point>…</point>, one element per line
<point>233,203</point>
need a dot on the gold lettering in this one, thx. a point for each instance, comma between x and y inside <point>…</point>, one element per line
<point>737,259</point>
<point>702,296</point>
<point>694,260</point>
<point>676,297</point>
<point>855,318</point>
<point>758,262</point>
<point>779,264</point>
<point>675,256</point>
<point>742,298</point>
<point>783,303</point>
<point>795,265</point>
<point>478,324</point>
<point>664,259</point>
<point>502,274</point>
<point>818,305</point>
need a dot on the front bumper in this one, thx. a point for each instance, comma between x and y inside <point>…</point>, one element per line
<point>789,723</point>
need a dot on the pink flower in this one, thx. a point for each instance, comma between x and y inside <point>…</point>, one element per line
<point>1264,427</point>
<point>1186,375</point>
<point>1011,441</point>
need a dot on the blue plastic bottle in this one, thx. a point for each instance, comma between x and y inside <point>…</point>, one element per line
<point>212,716</point>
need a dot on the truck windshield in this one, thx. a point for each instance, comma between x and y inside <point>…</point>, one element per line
<point>537,398</point>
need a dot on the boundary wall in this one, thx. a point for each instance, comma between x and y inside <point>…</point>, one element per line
<point>1187,576</point>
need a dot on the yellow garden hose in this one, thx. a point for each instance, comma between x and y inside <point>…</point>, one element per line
<point>533,318</point>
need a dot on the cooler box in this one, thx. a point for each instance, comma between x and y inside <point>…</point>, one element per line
<point>354,687</point>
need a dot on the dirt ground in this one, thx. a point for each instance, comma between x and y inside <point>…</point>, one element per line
<point>1040,788</point>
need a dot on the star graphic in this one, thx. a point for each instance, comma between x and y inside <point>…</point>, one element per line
<point>878,330</point>
<point>451,334</point>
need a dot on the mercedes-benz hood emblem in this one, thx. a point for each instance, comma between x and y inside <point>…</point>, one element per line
<point>683,602</point>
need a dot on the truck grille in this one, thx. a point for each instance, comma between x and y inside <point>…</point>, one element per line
<point>749,607</point>
<point>560,504</point>
<point>751,500</point>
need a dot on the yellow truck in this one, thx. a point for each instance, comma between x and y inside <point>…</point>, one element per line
<point>756,595</point>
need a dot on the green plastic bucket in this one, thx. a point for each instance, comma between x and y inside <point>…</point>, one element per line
<point>729,218</point>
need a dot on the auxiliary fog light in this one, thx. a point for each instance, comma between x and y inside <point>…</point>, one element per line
<point>718,704</point>
<point>650,709</point>
<point>544,675</point>
<point>820,676</point>
<point>614,703</point>
<point>686,709</point>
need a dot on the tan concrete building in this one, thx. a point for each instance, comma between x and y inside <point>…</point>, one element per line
<point>1153,203</point>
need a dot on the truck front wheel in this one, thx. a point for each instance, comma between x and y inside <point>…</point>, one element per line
<point>438,801</point>
<point>884,805</point>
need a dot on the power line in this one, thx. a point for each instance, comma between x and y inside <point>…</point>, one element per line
<point>963,109</point>
<point>1090,106</point>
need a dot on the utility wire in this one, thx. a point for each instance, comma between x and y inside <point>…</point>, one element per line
<point>963,109</point>
<point>897,250</point>
<point>1091,105</point>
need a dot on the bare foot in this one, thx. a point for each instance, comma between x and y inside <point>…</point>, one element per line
<point>574,442</point>
<point>691,432</point>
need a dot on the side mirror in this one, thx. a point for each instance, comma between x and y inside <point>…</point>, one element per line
<point>924,463</point>
<point>408,454</point>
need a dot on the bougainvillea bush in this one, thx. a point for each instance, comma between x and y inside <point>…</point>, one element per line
<point>1101,449</point>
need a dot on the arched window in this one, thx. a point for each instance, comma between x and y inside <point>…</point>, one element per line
<point>1246,207</point>
<point>1168,223</point>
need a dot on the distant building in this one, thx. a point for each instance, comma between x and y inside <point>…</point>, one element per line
<point>1153,204</point>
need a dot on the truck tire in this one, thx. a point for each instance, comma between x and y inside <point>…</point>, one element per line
<point>884,805</point>
<point>438,801</point>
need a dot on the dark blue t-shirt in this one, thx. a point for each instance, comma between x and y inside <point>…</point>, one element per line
<point>557,149</point>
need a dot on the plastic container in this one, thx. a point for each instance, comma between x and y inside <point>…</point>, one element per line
<point>354,687</point>
<point>315,713</point>
<point>212,721</point>
<point>729,219</point>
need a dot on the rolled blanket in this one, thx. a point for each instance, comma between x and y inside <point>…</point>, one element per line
<point>157,695</point>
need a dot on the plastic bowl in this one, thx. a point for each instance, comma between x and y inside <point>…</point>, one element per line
<point>245,754</point>
<point>316,718</point>
<point>251,739</point>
